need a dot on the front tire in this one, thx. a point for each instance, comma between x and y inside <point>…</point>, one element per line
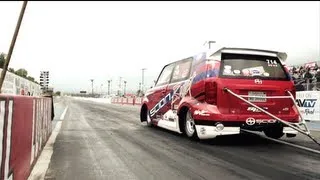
<point>149,122</point>
<point>275,132</point>
<point>189,126</point>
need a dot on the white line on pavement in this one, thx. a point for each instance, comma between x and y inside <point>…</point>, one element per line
<point>64,113</point>
<point>40,168</point>
<point>283,142</point>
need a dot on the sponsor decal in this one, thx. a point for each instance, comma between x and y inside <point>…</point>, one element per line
<point>165,100</point>
<point>285,109</point>
<point>203,131</point>
<point>253,109</point>
<point>201,113</point>
<point>308,105</point>
<point>272,63</point>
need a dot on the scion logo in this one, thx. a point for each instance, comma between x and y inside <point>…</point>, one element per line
<point>258,81</point>
<point>250,121</point>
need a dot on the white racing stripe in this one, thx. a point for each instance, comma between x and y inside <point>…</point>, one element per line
<point>283,142</point>
<point>40,168</point>
<point>2,113</point>
<point>8,148</point>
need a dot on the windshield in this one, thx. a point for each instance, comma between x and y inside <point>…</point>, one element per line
<point>252,66</point>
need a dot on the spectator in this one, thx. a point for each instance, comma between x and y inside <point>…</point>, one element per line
<point>317,76</point>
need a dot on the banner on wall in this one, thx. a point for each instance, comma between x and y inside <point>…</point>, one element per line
<point>309,104</point>
<point>16,85</point>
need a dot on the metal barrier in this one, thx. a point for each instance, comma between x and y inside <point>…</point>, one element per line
<point>307,85</point>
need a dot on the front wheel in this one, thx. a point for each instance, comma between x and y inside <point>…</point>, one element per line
<point>149,122</point>
<point>274,132</point>
<point>189,126</point>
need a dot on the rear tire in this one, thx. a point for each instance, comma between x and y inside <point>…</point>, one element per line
<point>275,132</point>
<point>189,126</point>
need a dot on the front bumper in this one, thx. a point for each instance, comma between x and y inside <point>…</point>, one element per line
<point>208,132</point>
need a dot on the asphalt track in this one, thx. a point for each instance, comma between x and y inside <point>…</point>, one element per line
<point>105,141</point>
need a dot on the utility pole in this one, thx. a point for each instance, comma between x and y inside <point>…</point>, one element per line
<point>143,69</point>
<point>92,86</point>
<point>13,42</point>
<point>119,86</point>
<point>124,89</point>
<point>139,89</point>
<point>109,81</point>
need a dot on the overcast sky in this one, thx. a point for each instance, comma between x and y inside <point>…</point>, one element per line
<point>79,41</point>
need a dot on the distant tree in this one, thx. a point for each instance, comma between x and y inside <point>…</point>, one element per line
<point>58,93</point>
<point>22,73</point>
<point>11,70</point>
<point>30,78</point>
<point>2,59</point>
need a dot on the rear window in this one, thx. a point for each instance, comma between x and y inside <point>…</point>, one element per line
<point>251,67</point>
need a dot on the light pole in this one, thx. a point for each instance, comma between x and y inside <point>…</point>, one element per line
<point>143,69</point>
<point>109,81</point>
<point>139,89</point>
<point>210,42</point>
<point>92,86</point>
<point>124,89</point>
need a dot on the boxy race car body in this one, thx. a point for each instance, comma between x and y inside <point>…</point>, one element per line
<point>189,97</point>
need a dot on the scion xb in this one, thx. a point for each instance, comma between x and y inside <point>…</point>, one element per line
<point>190,97</point>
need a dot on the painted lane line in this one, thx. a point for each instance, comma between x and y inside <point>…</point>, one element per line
<point>284,142</point>
<point>42,165</point>
<point>64,113</point>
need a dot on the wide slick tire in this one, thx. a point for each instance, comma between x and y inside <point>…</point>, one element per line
<point>275,132</point>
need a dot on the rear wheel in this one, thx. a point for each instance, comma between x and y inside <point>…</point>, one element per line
<point>275,132</point>
<point>189,126</point>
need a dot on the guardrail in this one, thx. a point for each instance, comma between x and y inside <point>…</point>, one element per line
<point>306,85</point>
<point>127,100</point>
<point>25,124</point>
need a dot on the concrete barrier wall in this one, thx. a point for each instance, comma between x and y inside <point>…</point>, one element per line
<point>25,123</point>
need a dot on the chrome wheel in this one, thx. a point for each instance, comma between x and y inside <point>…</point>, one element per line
<point>190,128</point>
<point>149,122</point>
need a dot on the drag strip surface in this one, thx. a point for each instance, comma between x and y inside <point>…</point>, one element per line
<point>105,141</point>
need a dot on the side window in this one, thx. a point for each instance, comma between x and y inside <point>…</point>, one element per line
<point>165,75</point>
<point>182,70</point>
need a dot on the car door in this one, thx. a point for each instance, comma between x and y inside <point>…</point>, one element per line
<point>157,96</point>
<point>181,73</point>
